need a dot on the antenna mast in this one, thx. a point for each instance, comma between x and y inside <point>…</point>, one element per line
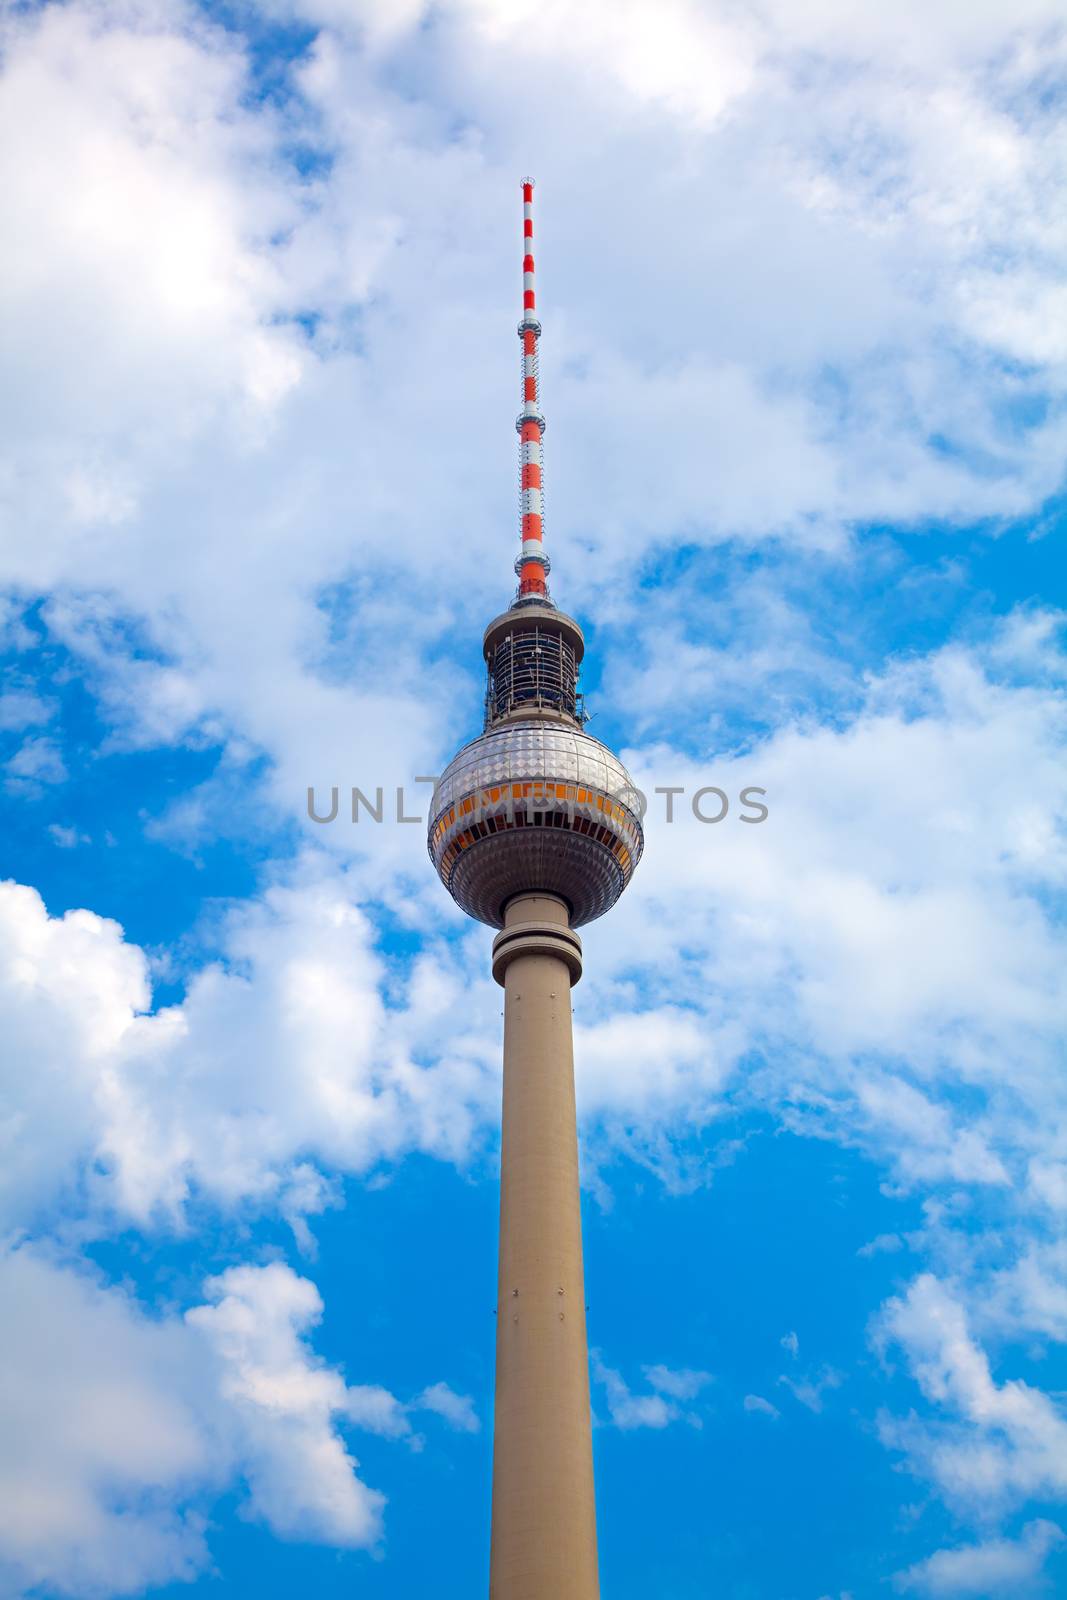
<point>532,566</point>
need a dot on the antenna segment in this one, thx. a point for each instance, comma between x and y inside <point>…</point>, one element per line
<point>532,566</point>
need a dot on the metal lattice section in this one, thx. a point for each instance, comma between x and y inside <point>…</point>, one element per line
<point>533,669</point>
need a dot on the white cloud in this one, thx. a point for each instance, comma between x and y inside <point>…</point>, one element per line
<point>881,1244</point>
<point>141,416</point>
<point>23,708</point>
<point>898,1032</point>
<point>286,1052</point>
<point>1007,1567</point>
<point>810,1391</point>
<point>886,941</point>
<point>119,1429</point>
<point>138,302</point>
<point>756,1402</point>
<point>456,1409</point>
<point>790,1342</point>
<point>102,1444</point>
<point>35,763</point>
<point>684,58</point>
<point>644,1065</point>
<point>1030,1295</point>
<point>684,1384</point>
<point>656,1410</point>
<point>67,838</point>
<point>998,1442</point>
<point>285,1405</point>
<point>900,933</point>
<point>877,216</point>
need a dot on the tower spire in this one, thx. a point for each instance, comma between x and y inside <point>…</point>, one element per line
<point>532,565</point>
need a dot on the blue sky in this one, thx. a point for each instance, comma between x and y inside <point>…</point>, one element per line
<point>801,272</point>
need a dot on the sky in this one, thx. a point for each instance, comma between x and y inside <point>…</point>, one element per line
<point>802,271</point>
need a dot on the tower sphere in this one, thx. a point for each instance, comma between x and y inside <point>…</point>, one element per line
<point>535,804</point>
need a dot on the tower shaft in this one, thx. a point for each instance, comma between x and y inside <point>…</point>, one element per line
<point>544,1518</point>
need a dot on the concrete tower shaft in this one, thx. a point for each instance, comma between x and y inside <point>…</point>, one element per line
<point>544,1514</point>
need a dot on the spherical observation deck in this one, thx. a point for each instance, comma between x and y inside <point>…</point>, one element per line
<point>536,803</point>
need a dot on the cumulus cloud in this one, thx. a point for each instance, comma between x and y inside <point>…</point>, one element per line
<point>887,934</point>
<point>994,1443</point>
<point>844,258</point>
<point>142,417</point>
<point>35,763</point>
<point>684,1384</point>
<point>346,1068</point>
<point>101,1437</point>
<point>121,1429</point>
<point>881,1244</point>
<point>286,1050</point>
<point>284,1407</point>
<point>456,1409</point>
<point>995,1567</point>
<point>756,1402</point>
<point>642,1065</point>
<point>23,708</point>
<point>1029,1295</point>
<point>153,269</point>
<point>658,1409</point>
<point>65,837</point>
<point>809,1391</point>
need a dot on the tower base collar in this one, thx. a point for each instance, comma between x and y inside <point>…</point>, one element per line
<point>537,938</point>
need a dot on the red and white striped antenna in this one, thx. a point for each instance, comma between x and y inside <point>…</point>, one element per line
<point>532,565</point>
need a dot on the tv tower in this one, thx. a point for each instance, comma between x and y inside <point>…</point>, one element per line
<point>532,833</point>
